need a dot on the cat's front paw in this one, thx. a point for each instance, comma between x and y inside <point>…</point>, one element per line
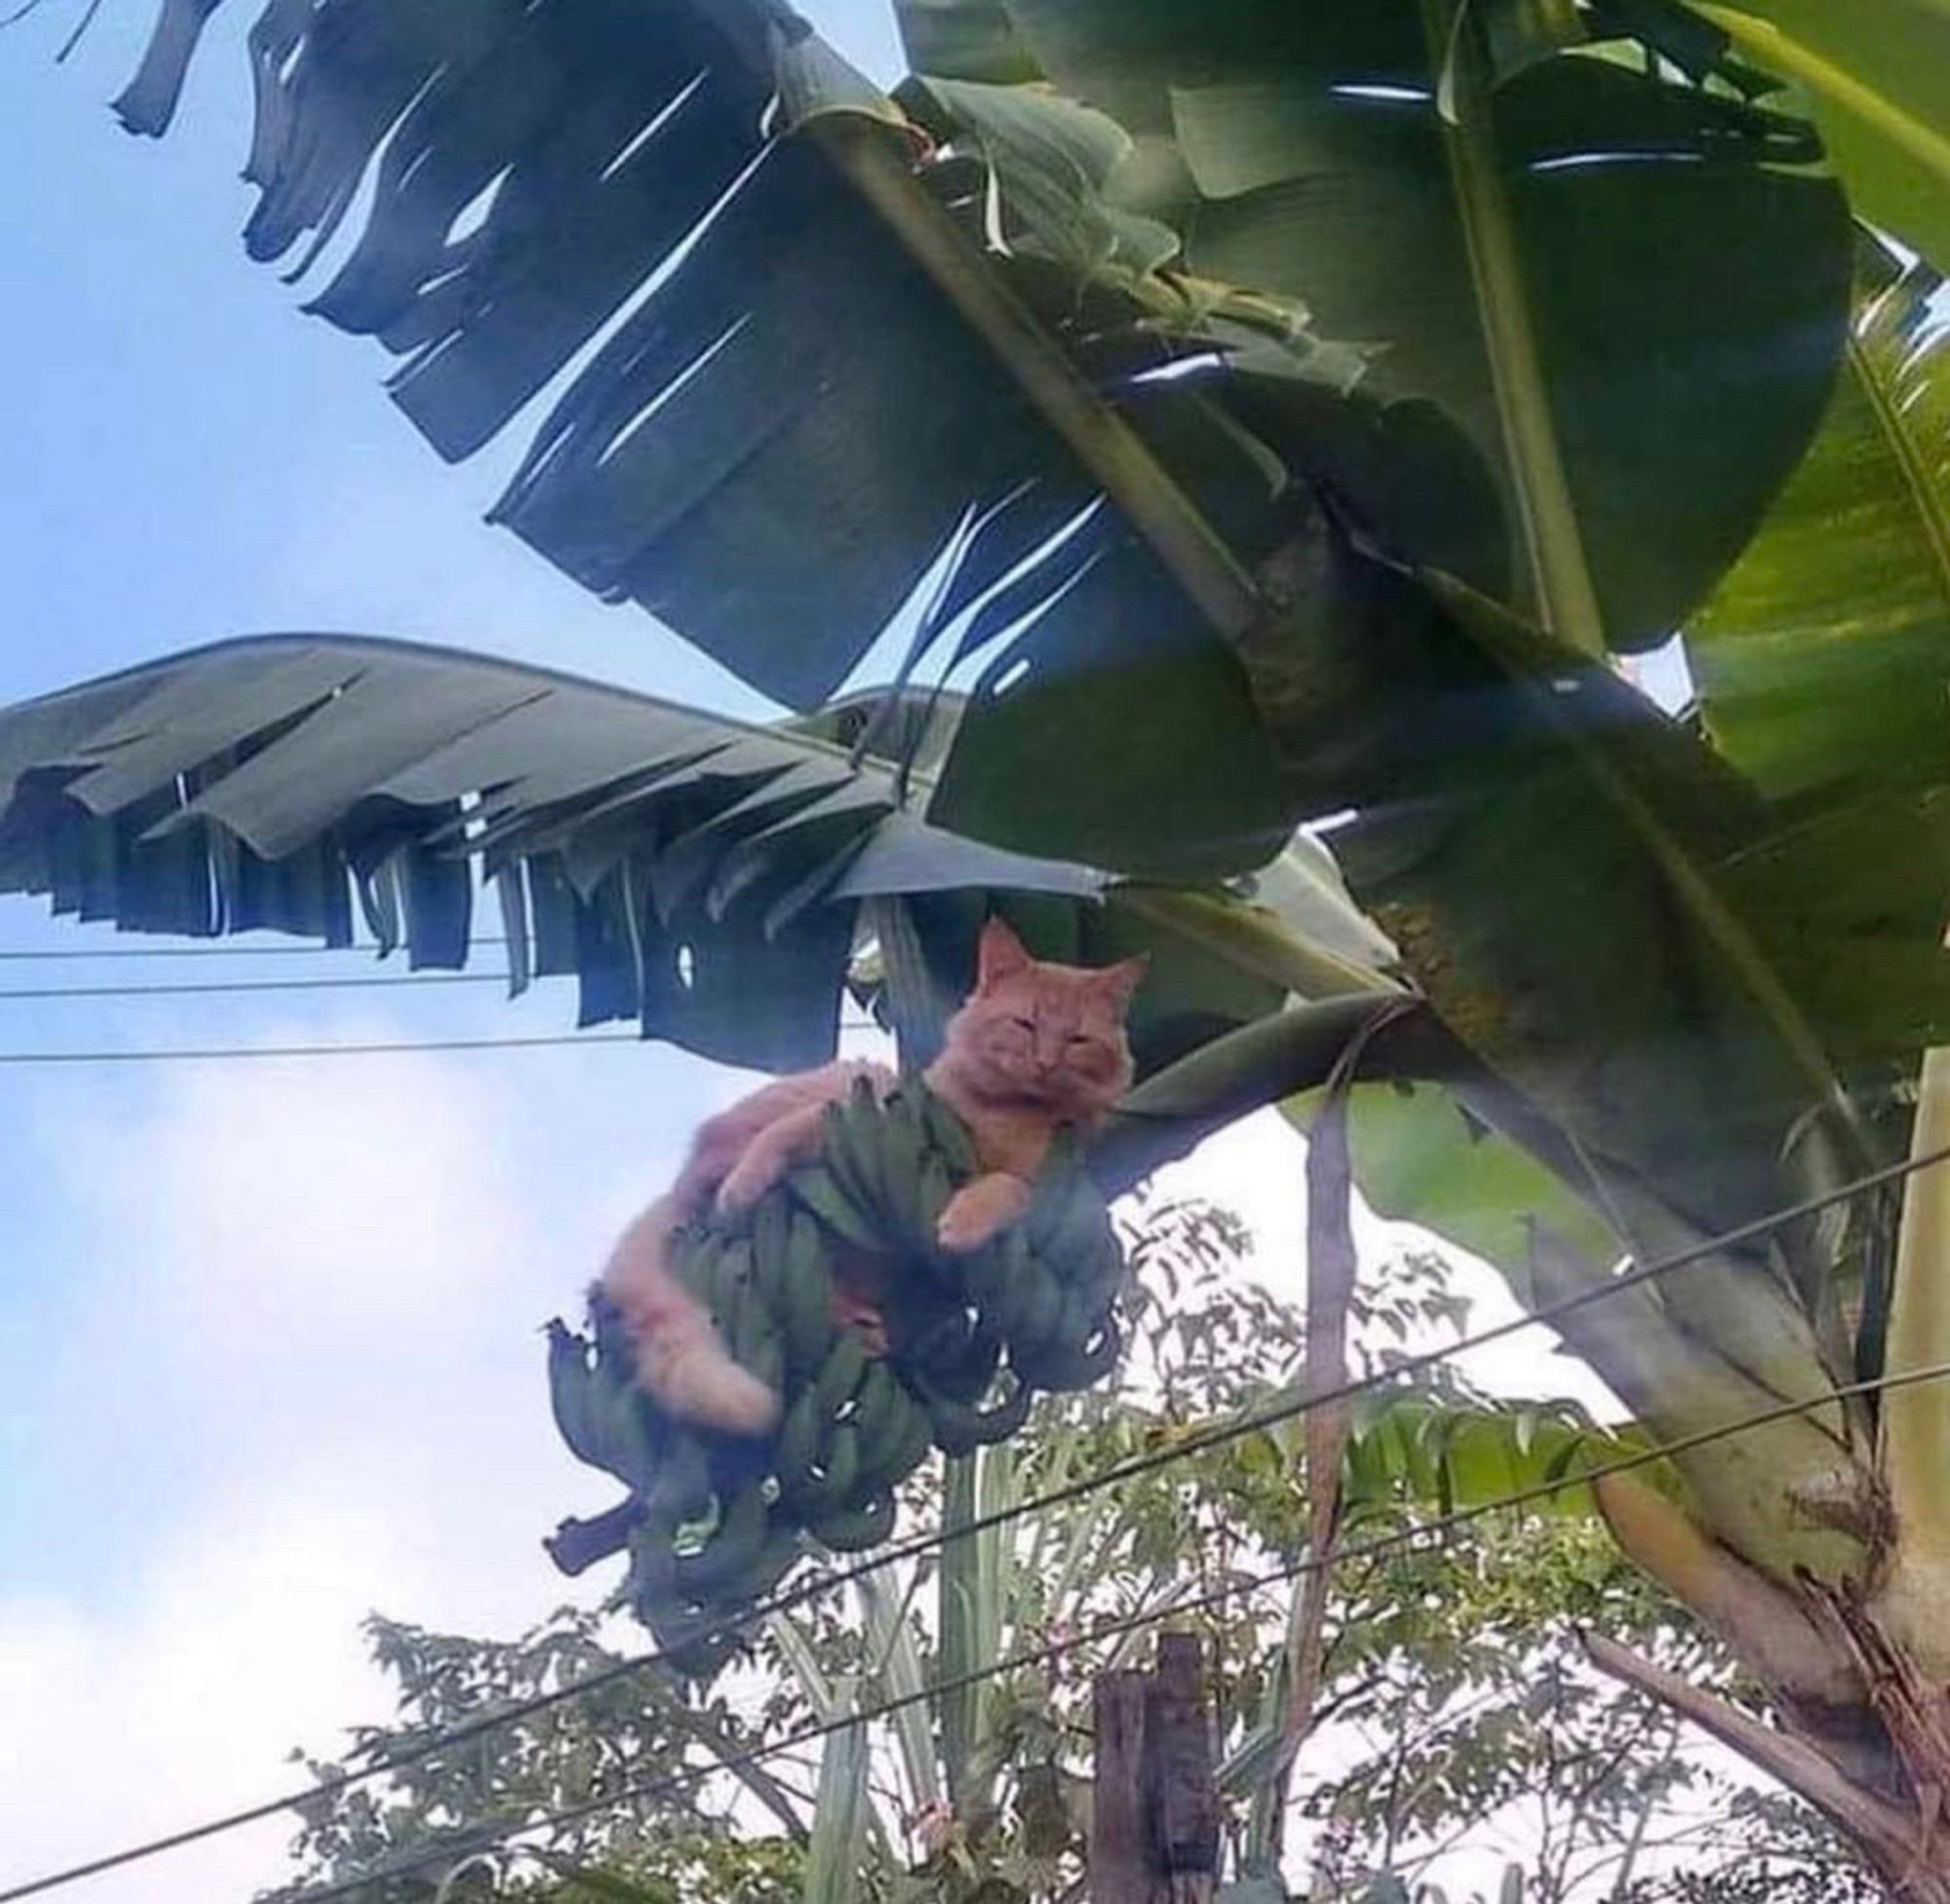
<point>979,1211</point>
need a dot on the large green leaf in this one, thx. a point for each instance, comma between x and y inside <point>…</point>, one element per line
<point>1421,1157</point>
<point>1824,668</point>
<point>794,416</point>
<point>1553,901</point>
<point>1435,1452</point>
<point>1689,1354</point>
<point>1874,72</point>
<point>843,1808</point>
<point>1302,154</point>
<point>695,873</point>
<point>1823,659</point>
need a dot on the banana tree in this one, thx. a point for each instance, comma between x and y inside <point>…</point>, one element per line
<point>1264,413</point>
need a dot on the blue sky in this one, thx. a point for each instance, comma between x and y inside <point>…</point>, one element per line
<point>268,1346</point>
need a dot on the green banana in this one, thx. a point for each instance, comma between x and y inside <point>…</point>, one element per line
<point>680,1490</point>
<point>615,1355</point>
<point>1000,1420</point>
<point>807,1314</point>
<point>732,1279</point>
<point>623,1434</point>
<point>1099,1294</point>
<point>1073,1360</point>
<point>850,1135</point>
<point>1034,1310</point>
<point>771,1219</point>
<point>967,1377</point>
<point>961,1430</point>
<point>817,1188</point>
<point>799,1443</point>
<point>760,1344</point>
<point>732,1550</point>
<point>887,1462</point>
<point>1055,1182</point>
<point>948,1135</point>
<point>876,1404</point>
<point>569,1394</point>
<point>901,1151</point>
<point>839,1374</point>
<point>835,1489</point>
<point>754,1335</point>
<point>934,1189</point>
<point>854,1528</point>
<point>652,1576</point>
<point>1082,1227</point>
<point>985,1275</point>
<point>693,1641</point>
<point>694,1257</point>
<point>771,1250</point>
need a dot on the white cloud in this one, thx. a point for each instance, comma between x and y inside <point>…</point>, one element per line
<point>317,1288</point>
<point>242,1642</point>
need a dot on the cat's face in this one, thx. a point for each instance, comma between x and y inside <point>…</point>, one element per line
<point>1046,1035</point>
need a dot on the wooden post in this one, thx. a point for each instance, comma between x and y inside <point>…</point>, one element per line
<point>1155,1826</point>
<point>1185,1795</point>
<point>1120,1864</point>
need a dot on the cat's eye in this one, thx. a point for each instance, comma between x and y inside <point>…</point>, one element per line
<point>1023,1024</point>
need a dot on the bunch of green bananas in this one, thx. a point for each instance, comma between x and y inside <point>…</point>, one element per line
<point>971,1338</point>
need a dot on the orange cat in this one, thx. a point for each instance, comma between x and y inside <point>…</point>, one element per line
<point>1037,1047</point>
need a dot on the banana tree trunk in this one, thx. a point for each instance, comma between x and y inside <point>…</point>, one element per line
<point>1818,1568</point>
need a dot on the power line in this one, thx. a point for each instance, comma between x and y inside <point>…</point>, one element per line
<point>482,1837</point>
<point>198,987</point>
<point>201,950</point>
<point>383,1048</point>
<point>213,1054</point>
<point>1248,1422</point>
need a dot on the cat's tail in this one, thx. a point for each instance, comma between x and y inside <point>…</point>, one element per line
<point>681,1362</point>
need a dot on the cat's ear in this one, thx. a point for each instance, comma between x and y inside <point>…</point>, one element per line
<point>1118,983</point>
<point>999,954</point>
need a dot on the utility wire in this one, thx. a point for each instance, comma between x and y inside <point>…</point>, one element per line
<point>215,1053</point>
<point>201,950</point>
<point>482,1837</point>
<point>198,987</point>
<point>211,1054</point>
<point>1248,1422</point>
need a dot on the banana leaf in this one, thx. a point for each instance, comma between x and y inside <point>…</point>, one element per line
<point>1873,72</point>
<point>1422,1156</point>
<point>699,875</point>
<point>1431,1452</point>
<point>1823,666</point>
<point>1310,154</point>
<point>842,1810</point>
<point>771,423</point>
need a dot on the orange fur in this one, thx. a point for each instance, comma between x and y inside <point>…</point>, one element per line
<point>1037,1047</point>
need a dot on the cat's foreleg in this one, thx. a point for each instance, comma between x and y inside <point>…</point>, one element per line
<point>789,1141</point>
<point>981,1210</point>
<point>793,1135</point>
